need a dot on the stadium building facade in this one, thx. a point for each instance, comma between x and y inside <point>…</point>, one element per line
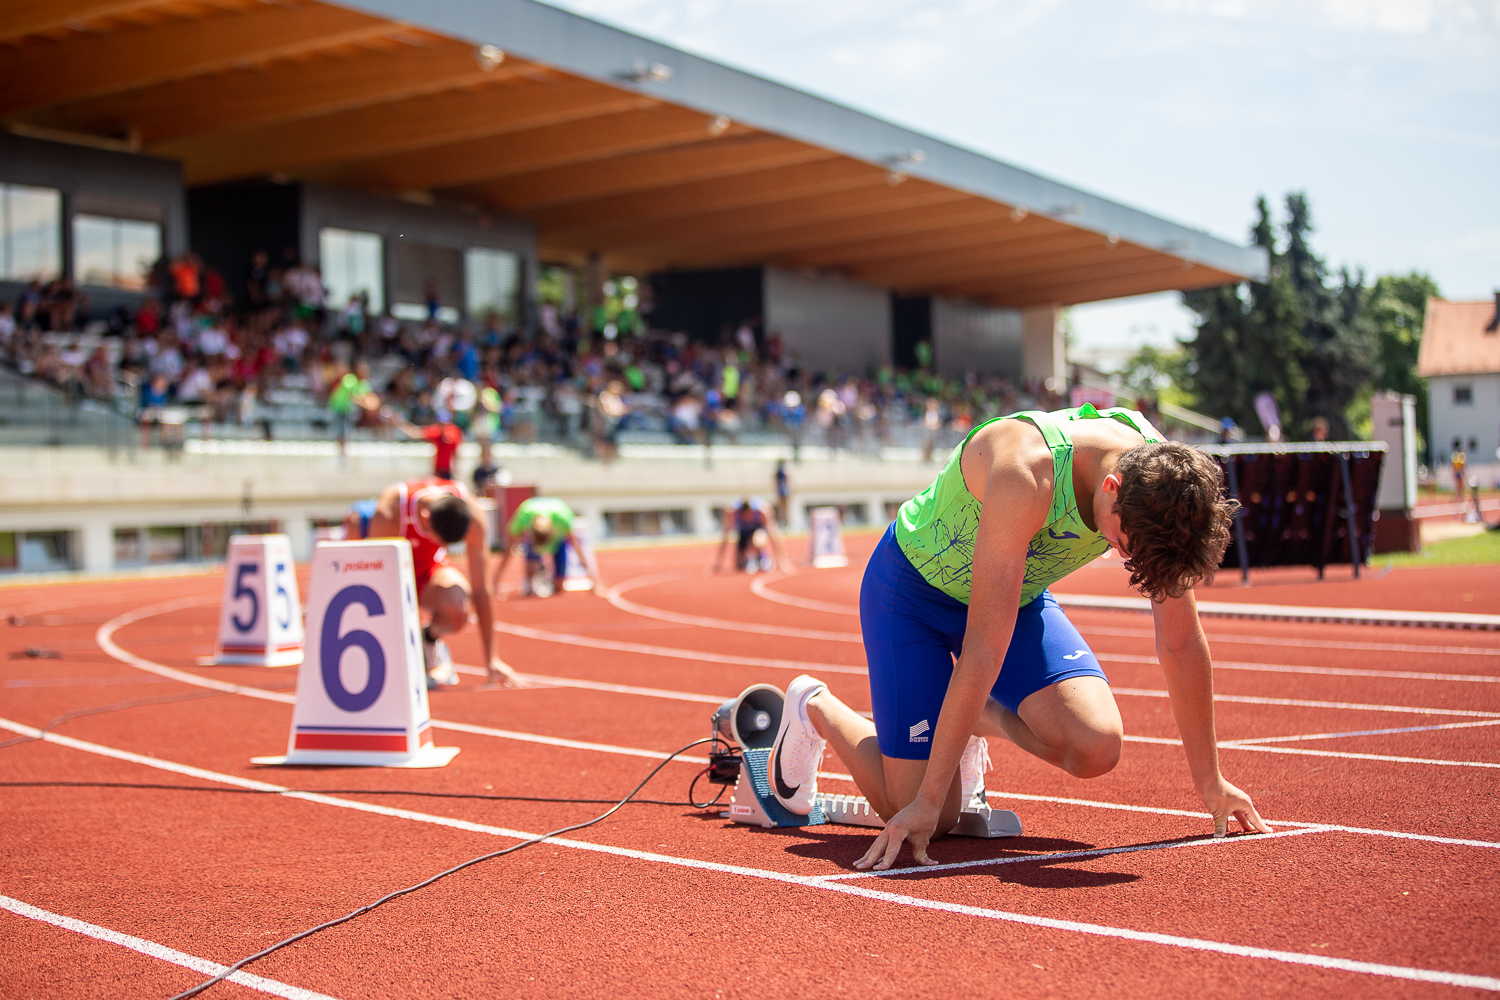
<point>438,155</point>
<point>400,145</point>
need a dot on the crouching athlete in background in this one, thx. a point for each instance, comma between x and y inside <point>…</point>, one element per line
<point>433,514</point>
<point>548,536</point>
<point>964,571</point>
<point>754,531</point>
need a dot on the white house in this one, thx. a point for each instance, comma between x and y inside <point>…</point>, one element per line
<point>1460,358</point>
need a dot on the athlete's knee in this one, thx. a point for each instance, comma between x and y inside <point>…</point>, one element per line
<point>1093,756</point>
<point>448,602</point>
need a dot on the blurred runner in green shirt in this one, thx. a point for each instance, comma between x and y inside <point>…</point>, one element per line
<point>542,527</point>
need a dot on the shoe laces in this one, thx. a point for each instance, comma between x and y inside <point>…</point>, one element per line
<point>975,762</point>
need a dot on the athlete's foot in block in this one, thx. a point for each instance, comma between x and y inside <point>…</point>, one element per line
<point>439,663</point>
<point>971,771</point>
<point>798,751</point>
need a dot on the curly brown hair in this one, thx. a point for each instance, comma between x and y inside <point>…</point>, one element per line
<point>1175,515</point>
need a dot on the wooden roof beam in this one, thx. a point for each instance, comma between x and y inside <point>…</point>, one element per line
<point>1069,285</point>
<point>611,218</point>
<point>1016,256</point>
<point>888,219</point>
<point>255,96</point>
<point>19,18</point>
<point>42,72</point>
<point>645,171</point>
<point>382,130</point>
<point>480,161</point>
<point>716,237</point>
<point>974,227</point>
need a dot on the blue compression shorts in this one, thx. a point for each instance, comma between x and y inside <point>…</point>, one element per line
<point>913,631</point>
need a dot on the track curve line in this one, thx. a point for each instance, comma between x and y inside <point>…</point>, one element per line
<point>761,587</point>
<point>1329,962</point>
<point>105,637</point>
<point>673,652</point>
<point>615,596</point>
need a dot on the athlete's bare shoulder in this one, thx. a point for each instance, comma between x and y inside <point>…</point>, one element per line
<point>1010,455</point>
<point>387,512</point>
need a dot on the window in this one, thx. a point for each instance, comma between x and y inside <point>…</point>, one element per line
<point>646,522</point>
<point>1463,395</point>
<point>166,544</point>
<point>423,274</point>
<point>115,253</point>
<point>491,280</point>
<point>36,551</point>
<point>352,263</point>
<point>128,547</point>
<point>30,233</point>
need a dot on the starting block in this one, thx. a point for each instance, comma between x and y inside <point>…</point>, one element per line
<point>751,721</point>
<point>825,538</point>
<point>260,618</point>
<point>362,689</point>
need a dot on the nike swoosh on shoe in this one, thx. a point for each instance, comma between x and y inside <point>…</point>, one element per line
<point>782,789</point>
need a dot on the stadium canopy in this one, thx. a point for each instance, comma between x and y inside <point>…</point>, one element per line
<point>609,143</point>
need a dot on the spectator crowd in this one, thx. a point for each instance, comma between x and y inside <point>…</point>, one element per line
<point>580,379</point>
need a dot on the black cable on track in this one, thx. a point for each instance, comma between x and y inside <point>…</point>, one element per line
<point>237,966</point>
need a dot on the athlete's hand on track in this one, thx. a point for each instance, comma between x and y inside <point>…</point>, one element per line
<point>1225,800</point>
<point>501,673</point>
<point>914,825</point>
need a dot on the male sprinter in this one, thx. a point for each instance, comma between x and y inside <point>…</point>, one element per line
<point>754,529</point>
<point>541,527</point>
<point>963,572</point>
<point>433,514</point>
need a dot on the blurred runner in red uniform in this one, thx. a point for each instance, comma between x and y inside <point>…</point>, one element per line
<point>445,436</point>
<point>433,514</point>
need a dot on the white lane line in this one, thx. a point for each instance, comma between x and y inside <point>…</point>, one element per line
<point>158,951</point>
<point>542,679</point>
<point>673,652</point>
<point>107,630</point>
<point>1301,643</point>
<point>807,666</point>
<point>1365,732</point>
<point>1296,613</point>
<point>105,638</point>
<point>813,882</point>
<point>1350,755</point>
<point>760,587</point>
<point>1340,754</point>
<point>1273,612</point>
<point>615,596</point>
<point>1352,706</point>
<point>1097,852</point>
<point>1282,668</point>
<point>1162,811</point>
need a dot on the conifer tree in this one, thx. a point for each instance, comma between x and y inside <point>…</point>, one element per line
<point>1299,335</point>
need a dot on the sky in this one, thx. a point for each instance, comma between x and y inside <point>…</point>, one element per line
<point>1386,113</point>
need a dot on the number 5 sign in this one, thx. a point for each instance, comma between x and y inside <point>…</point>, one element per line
<point>260,620</point>
<point>362,689</point>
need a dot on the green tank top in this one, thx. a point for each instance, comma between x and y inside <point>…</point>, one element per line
<point>937,527</point>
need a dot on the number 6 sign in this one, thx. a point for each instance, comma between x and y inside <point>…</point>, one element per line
<point>362,689</point>
<point>260,621</point>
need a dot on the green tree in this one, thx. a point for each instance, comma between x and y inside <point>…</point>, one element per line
<point>1398,307</point>
<point>1156,373</point>
<point>1248,340</point>
<point>1300,335</point>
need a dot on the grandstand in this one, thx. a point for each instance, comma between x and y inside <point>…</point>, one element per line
<point>217,212</point>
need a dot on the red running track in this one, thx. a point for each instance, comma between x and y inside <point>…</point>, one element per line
<point>142,849</point>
